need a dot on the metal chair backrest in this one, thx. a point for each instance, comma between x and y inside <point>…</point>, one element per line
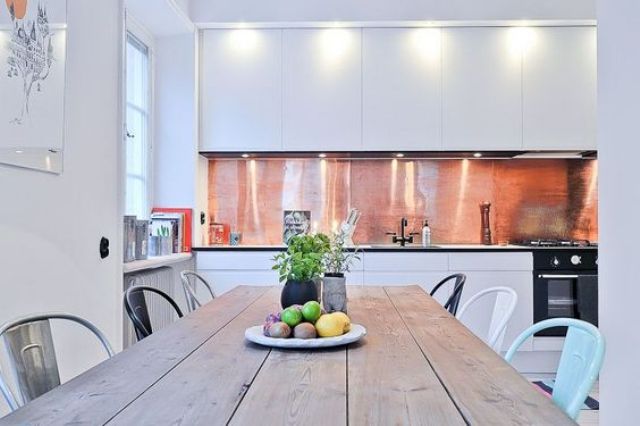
<point>454,300</point>
<point>32,356</point>
<point>190,280</point>
<point>136,307</point>
<point>503,308</point>
<point>580,362</point>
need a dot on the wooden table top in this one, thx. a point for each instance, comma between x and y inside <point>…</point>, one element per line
<point>417,365</point>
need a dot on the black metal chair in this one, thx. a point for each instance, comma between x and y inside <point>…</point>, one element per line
<point>136,307</point>
<point>454,300</point>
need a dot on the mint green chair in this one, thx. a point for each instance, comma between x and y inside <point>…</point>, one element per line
<point>580,362</point>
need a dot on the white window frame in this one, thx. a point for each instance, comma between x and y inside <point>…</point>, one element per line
<point>139,32</point>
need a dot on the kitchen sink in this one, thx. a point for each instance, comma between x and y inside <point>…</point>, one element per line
<point>398,247</point>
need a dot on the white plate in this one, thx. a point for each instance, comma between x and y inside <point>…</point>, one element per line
<point>255,335</point>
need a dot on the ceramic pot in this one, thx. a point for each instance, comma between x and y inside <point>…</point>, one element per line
<point>298,293</point>
<point>318,283</point>
<point>334,293</point>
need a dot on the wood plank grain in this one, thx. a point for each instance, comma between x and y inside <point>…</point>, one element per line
<point>298,387</point>
<point>431,308</point>
<point>390,381</point>
<point>486,389</point>
<point>206,388</point>
<point>97,395</point>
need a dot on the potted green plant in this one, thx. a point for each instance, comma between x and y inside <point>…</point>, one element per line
<point>299,266</point>
<point>337,261</point>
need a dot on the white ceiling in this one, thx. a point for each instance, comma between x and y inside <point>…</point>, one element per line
<point>161,18</point>
<point>254,11</point>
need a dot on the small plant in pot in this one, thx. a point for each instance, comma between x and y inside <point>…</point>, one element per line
<point>299,266</point>
<point>337,261</point>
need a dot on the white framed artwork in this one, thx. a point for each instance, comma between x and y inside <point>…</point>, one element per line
<point>33,36</point>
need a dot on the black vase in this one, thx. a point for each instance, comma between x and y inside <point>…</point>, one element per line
<point>298,293</point>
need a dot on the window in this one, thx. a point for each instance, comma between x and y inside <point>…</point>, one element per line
<point>137,141</point>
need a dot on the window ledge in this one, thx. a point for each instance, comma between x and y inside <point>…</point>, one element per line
<point>155,262</point>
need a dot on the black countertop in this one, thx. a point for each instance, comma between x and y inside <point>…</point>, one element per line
<point>447,248</point>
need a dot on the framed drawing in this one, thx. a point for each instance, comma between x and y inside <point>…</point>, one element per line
<point>33,36</point>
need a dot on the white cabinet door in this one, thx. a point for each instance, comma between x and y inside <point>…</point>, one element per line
<point>238,260</point>
<point>402,89</point>
<point>224,281</point>
<point>405,261</point>
<point>491,261</point>
<point>559,87</point>
<point>482,99</point>
<point>322,89</point>
<point>241,90</point>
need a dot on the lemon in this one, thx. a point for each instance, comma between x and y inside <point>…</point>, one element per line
<point>345,319</point>
<point>331,325</point>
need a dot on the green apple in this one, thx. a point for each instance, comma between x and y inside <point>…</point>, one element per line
<point>311,311</point>
<point>291,316</point>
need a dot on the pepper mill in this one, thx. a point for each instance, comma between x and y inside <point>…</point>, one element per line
<point>485,206</point>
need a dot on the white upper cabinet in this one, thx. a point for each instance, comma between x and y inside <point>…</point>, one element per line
<point>398,89</point>
<point>241,90</point>
<point>402,89</point>
<point>322,79</point>
<point>559,88</point>
<point>482,89</point>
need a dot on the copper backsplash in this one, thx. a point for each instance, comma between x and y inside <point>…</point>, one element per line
<point>551,198</point>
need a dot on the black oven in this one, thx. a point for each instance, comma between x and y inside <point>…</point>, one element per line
<point>565,286</point>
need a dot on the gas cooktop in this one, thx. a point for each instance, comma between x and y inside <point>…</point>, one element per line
<point>557,243</point>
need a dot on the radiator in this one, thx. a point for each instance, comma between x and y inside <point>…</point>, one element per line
<point>160,312</point>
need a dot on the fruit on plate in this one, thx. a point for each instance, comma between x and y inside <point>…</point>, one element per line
<point>331,325</point>
<point>279,330</point>
<point>345,319</point>
<point>292,316</point>
<point>304,330</point>
<point>311,311</point>
<point>269,321</point>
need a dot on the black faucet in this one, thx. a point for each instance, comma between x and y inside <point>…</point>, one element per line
<point>403,239</point>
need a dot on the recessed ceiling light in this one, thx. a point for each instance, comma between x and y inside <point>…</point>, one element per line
<point>322,155</point>
<point>19,151</point>
<point>399,155</point>
<point>477,154</point>
<point>245,155</point>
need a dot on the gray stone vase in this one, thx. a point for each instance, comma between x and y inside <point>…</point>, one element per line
<point>334,294</point>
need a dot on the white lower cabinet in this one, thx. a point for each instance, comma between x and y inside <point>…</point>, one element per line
<point>222,280</point>
<point>227,269</point>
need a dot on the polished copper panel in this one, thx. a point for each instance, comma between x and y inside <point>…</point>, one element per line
<point>541,198</point>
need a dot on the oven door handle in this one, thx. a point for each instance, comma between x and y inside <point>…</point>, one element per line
<point>545,276</point>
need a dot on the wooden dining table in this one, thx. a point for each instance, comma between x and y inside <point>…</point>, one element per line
<point>416,365</point>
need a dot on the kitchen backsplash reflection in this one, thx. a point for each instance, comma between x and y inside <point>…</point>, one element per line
<point>530,198</point>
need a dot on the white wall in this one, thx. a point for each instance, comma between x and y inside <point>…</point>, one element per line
<point>176,165</point>
<point>50,226</point>
<point>174,130</point>
<point>387,10</point>
<point>619,176</point>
